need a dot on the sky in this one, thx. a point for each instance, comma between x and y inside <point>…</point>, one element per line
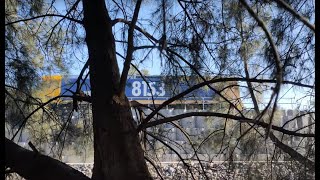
<point>288,97</point>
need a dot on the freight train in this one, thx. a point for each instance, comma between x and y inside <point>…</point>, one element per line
<point>145,90</point>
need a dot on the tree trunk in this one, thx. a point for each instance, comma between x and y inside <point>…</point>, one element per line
<point>117,151</point>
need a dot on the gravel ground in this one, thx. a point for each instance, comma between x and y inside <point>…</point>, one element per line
<point>217,171</point>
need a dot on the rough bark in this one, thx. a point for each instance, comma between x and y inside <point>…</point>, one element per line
<point>118,153</point>
<point>31,165</point>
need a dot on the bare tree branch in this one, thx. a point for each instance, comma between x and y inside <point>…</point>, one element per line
<point>294,154</point>
<point>38,167</point>
<point>208,85</point>
<point>195,87</point>
<point>279,75</point>
<point>74,6</point>
<point>192,146</point>
<point>84,98</point>
<point>297,117</point>
<point>115,21</point>
<point>42,16</point>
<point>229,116</point>
<point>172,149</point>
<point>304,20</point>
<point>154,166</point>
<point>126,65</point>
